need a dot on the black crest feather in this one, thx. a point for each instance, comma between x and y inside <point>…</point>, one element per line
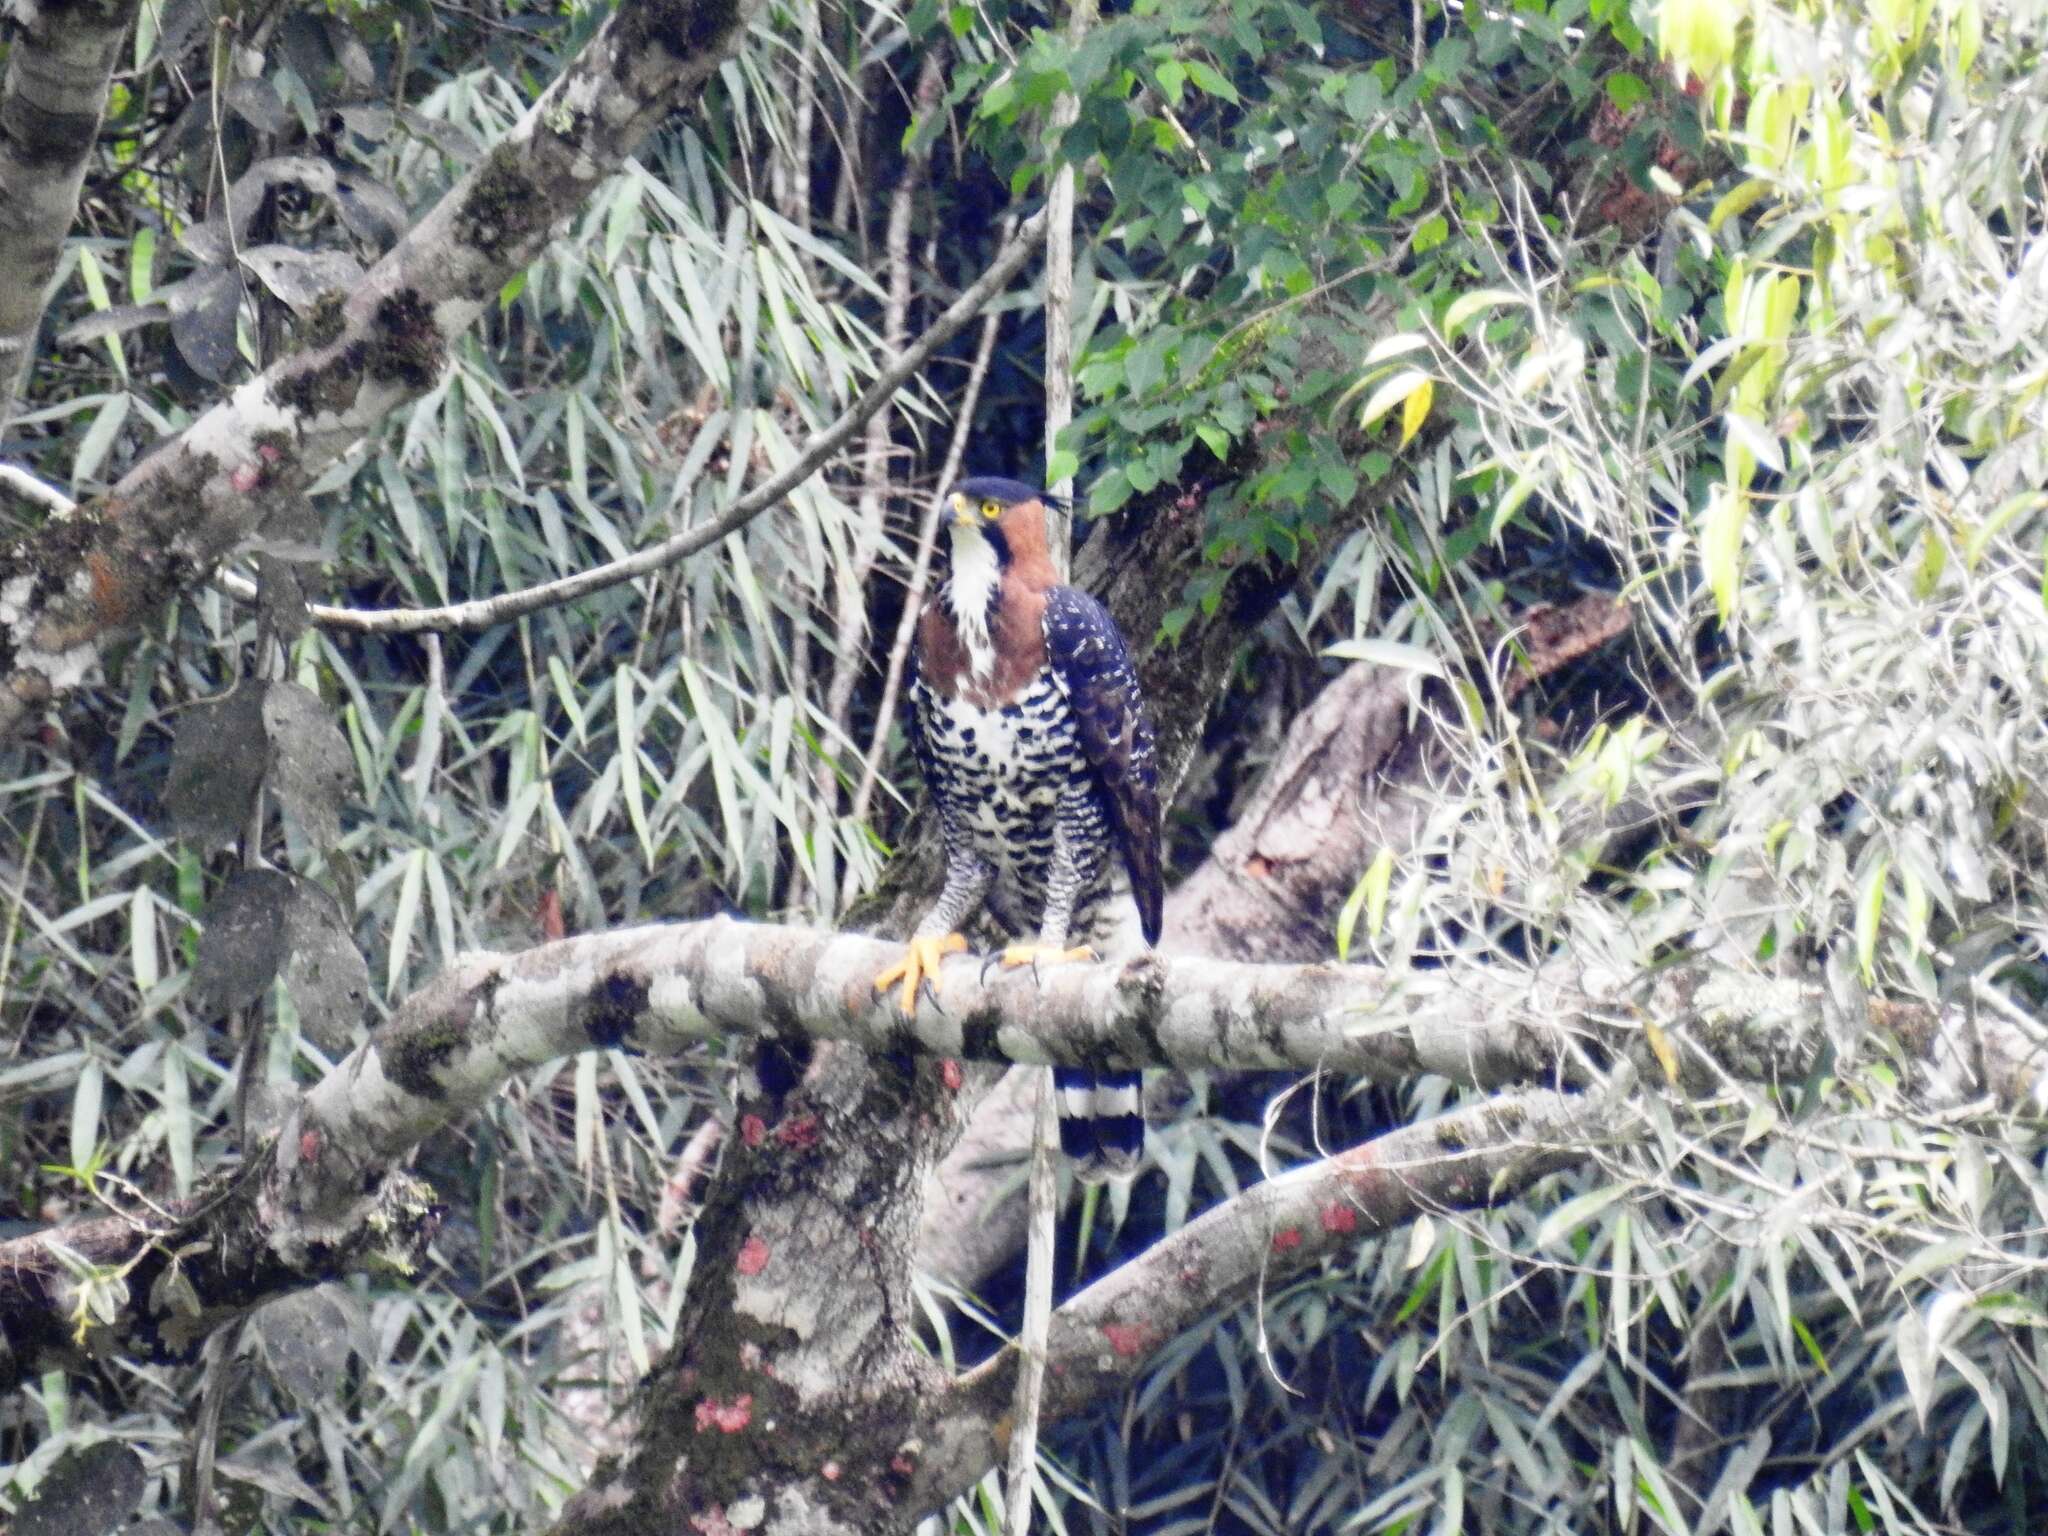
<point>1009,492</point>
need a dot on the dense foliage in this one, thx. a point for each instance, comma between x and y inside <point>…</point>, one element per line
<point>1738,311</point>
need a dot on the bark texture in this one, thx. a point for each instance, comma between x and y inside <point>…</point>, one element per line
<point>58,65</point>
<point>148,1289</point>
<point>1353,776</point>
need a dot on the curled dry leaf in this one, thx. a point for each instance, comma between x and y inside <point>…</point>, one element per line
<point>268,923</point>
<point>299,278</point>
<point>306,1340</point>
<point>218,759</point>
<point>312,771</point>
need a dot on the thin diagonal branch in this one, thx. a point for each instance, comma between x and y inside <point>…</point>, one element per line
<point>483,613</point>
<point>921,566</point>
<point>1103,1337</point>
<point>170,521</point>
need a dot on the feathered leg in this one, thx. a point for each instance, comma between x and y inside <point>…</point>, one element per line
<point>967,883</point>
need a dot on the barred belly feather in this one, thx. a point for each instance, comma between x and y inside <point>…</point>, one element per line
<point>1007,778</point>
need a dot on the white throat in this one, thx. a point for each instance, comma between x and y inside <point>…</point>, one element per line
<point>970,594</point>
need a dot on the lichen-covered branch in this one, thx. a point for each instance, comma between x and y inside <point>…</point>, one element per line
<point>660,989</point>
<point>59,61</point>
<point>162,530</point>
<point>1103,1337</point>
<point>150,1285</point>
<point>800,1315</point>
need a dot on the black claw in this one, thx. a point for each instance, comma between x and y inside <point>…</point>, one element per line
<point>926,989</point>
<point>987,961</point>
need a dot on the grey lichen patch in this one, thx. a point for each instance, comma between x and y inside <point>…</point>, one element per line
<point>1140,1003</point>
<point>505,206</point>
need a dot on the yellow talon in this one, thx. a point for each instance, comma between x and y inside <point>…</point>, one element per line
<point>1037,954</point>
<point>920,963</point>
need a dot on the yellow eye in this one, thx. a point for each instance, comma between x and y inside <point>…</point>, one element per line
<point>991,509</point>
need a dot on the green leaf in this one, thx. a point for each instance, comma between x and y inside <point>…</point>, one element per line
<point>403,921</point>
<point>142,939</point>
<point>1207,79</point>
<point>1737,201</point>
<point>85,1112</point>
<point>1626,90</point>
<point>1388,653</point>
<point>1576,1213</point>
<point>1869,913</point>
<point>142,266</point>
<point>1981,536</point>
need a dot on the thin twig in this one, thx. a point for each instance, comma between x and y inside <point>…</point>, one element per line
<point>849,647</point>
<point>484,613</point>
<point>921,567</point>
<point>1059,306</point>
<point>1059,410</point>
<point>1037,1322</point>
<point>37,490</point>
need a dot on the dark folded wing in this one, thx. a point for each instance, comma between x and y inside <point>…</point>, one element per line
<point>1088,655</point>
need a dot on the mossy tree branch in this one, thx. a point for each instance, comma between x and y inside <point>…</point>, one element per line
<point>88,577</point>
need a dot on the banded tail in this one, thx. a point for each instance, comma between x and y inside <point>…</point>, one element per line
<point>1102,1121</point>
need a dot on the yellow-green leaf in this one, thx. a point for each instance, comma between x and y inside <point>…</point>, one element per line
<point>1697,35</point>
<point>1738,201</point>
<point>1869,912</point>
<point>1390,394</point>
<point>1415,410</point>
<point>1981,536</point>
<point>1468,305</point>
<point>1721,531</point>
<point>1662,1048</point>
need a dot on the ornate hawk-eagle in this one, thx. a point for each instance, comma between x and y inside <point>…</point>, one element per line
<point>1027,723</point>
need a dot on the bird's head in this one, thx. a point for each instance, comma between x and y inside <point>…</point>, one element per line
<point>1005,516</point>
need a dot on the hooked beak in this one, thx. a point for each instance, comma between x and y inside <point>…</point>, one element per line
<point>963,514</point>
